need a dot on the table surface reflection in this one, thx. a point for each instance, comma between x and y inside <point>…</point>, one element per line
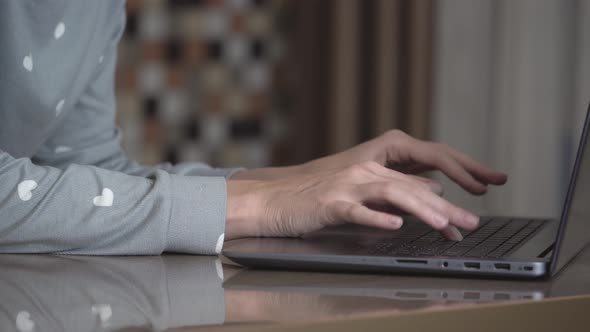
<point>81,293</point>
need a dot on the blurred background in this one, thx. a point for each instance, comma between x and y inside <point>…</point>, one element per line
<point>276,82</point>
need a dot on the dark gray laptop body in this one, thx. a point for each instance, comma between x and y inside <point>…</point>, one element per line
<point>503,247</point>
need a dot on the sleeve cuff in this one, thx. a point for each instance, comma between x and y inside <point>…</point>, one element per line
<point>197,219</point>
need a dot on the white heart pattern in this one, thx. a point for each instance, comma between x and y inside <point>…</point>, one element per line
<point>219,245</point>
<point>59,30</point>
<point>106,199</point>
<point>24,323</point>
<point>28,62</point>
<point>104,312</point>
<point>25,189</point>
<point>59,107</point>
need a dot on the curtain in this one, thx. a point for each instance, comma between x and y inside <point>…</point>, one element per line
<point>356,68</point>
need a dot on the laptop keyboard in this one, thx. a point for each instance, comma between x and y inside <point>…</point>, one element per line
<point>493,239</point>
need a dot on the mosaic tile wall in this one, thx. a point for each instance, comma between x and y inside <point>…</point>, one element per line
<point>195,81</point>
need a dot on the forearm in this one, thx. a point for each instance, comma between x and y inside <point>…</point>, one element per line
<point>88,210</point>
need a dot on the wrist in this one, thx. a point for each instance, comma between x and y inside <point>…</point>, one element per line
<point>243,209</point>
<point>267,173</point>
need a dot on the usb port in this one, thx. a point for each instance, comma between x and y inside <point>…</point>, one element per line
<point>471,265</point>
<point>502,266</point>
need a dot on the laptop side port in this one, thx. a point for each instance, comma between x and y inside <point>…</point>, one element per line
<point>502,266</point>
<point>412,261</point>
<point>471,265</point>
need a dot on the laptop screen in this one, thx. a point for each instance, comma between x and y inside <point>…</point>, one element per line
<point>574,231</point>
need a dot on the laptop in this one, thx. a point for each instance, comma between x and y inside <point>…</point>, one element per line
<point>502,247</point>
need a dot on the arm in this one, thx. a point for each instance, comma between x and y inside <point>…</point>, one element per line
<point>78,208</point>
<point>88,210</point>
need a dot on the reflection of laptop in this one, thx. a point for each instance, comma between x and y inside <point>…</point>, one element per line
<point>401,290</point>
<point>501,247</point>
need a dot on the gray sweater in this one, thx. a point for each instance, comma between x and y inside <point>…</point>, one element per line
<point>66,185</point>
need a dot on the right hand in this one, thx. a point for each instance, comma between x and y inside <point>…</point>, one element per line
<point>304,203</point>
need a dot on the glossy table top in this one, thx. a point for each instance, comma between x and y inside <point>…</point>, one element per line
<point>72,293</point>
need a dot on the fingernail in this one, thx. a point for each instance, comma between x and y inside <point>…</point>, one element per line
<point>454,234</point>
<point>472,219</point>
<point>397,222</point>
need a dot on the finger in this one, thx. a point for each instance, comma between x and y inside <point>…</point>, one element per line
<point>389,174</point>
<point>456,215</point>
<point>361,215</point>
<point>442,160</point>
<point>452,233</point>
<point>434,185</point>
<point>402,195</point>
<point>479,171</point>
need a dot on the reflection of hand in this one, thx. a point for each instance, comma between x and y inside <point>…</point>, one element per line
<point>339,188</point>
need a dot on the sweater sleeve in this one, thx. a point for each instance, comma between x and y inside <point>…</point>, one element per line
<point>88,210</point>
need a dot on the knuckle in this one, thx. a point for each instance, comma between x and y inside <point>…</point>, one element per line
<point>353,170</point>
<point>357,170</point>
<point>396,133</point>
<point>438,220</point>
<point>460,214</point>
<point>436,224</point>
<point>351,212</point>
<point>370,164</point>
<point>388,190</point>
<point>413,202</point>
<point>365,165</point>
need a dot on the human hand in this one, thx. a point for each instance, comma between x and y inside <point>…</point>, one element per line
<point>404,153</point>
<point>304,203</point>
